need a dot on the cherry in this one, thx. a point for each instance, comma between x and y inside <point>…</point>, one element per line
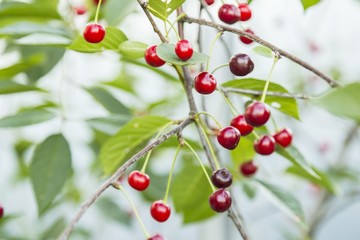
<point>81,10</point>
<point>160,211</point>
<point>184,50</point>
<point>257,114</point>
<point>228,137</point>
<point>156,237</point>
<point>221,178</point>
<point>205,83</point>
<point>248,168</point>
<point>240,123</point>
<point>209,2</point>
<point>220,200</point>
<point>94,33</point>
<point>283,137</point>
<point>152,58</point>
<point>241,64</point>
<point>138,180</point>
<point>229,13</point>
<point>246,40</point>
<point>265,145</point>
<point>1,212</point>
<point>245,12</point>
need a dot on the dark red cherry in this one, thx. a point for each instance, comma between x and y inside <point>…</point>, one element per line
<point>228,137</point>
<point>160,211</point>
<point>184,50</point>
<point>209,2</point>
<point>156,237</point>
<point>248,168</point>
<point>283,137</point>
<point>205,83</point>
<point>265,145</point>
<point>241,64</point>
<point>138,180</point>
<point>221,178</point>
<point>240,123</point>
<point>257,114</point>
<point>1,211</point>
<point>152,58</point>
<point>220,200</point>
<point>94,33</point>
<point>245,12</point>
<point>246,40</point>
<point>229,13</point>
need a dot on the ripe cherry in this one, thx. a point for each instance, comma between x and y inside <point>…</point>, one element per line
<point>220,200</point>
<point>1,212</point>
<point>240,123</point>
<point>241,64</point>
<point>94,33</point>
<point>152,58</point>
<point>205,83</point>
<point>246,40</point>
<point>221,178</point>
<point>138,180</point>
<point>248,168</point>
<point>228,137</point>
<point>156,237</point>
<point>160,211</point>
<point>245,12</point>
<point>283,137</point>
<point>257,114</point>
<point>229,13</point>
<point>209,2</point>
<point>184,50</point>
<point>265,145</point>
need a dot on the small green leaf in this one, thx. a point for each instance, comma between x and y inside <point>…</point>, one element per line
<point>167,53</point>
<point>7,87</point>
<point>19,67</point>
<point>163,9</point>
<point>263,51</point>
<point>136,132</point>
<point>49,169</point>
<point>132,49</point>
<point>308,3</point>
<point>26,118</point>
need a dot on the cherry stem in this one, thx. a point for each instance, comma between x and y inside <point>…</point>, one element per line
<point>218,67</point>
<point>128,198</point>
<point>218,35</point>
<point>166,20</point>
<point>171,173</point>
<point>202,165</point>
<point>255,134</point>
<point>274,123</point>
<point>263,96</point>
<point>212,117</point>
<point>97,11</point>
<point>229,103</point>
<point>176,20</point>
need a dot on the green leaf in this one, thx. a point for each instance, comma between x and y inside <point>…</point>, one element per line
<point>249,189</point>
<point>113,38</point>
<point>114,11</point>
<point>112,210</point>
<point>26,118</point>
<point>132,49</point>
<point>43,39</point>
<point>54,230</point>
<point>25,28</point>
<point>344,101</point>
<point>19,67</point>
<point>155,191</point>
<point>243,152</point>
<point>109,125</point>
<point>284,200</point>
<point>285,105</point>
<point>308,3</point>
<point>167,53</point>
<point>190,194</point>
<point>7,87</point>
<point>49,169</point>
<point>163,9</point>
<point>263,51</point>
<point>136,132</point>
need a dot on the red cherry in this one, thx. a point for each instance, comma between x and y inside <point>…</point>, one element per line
<point>245,12</point>
<point>248,168</point>
<point>229,13</point>
<point>94,33</point>
<point>257,114</point>
<point>160,211</point>
<point>81,10</point>
<point>184,50</point>
<point>209,2</point>
<point>220,200</point>
<point>228,137</point>
<point>138,180</point>
<point>1,212</point>
<point>241,64</point>
<point>156,237</point>
<point>283,137</point>
<point>240,123</point>
<point>205,83</point>
<point>265,145</point>
<point>246,40</point>
<point>221,178</point>
<point>152,58</point>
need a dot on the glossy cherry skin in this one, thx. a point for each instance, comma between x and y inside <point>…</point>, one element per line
<point>248,168</point>
<point>229,137</point>
<point>205,83</point>
<point>94,33</point>
<point>246,40</point>
<point>1,212</point>
<point>156,237</point>
<point>245,12</point>
<point>183,49</point>
<point>241,64</point>
<point>221,178</point>
<point>209,2</point>
<point>160,211</point>
<point>283,137</point>
<point>138,180</point>
<point>220,200</point>
<point>257,114</point>
<point>240,123</point>
<point>152,58</point>
<point>265,145</point>
<point>229,13</point>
